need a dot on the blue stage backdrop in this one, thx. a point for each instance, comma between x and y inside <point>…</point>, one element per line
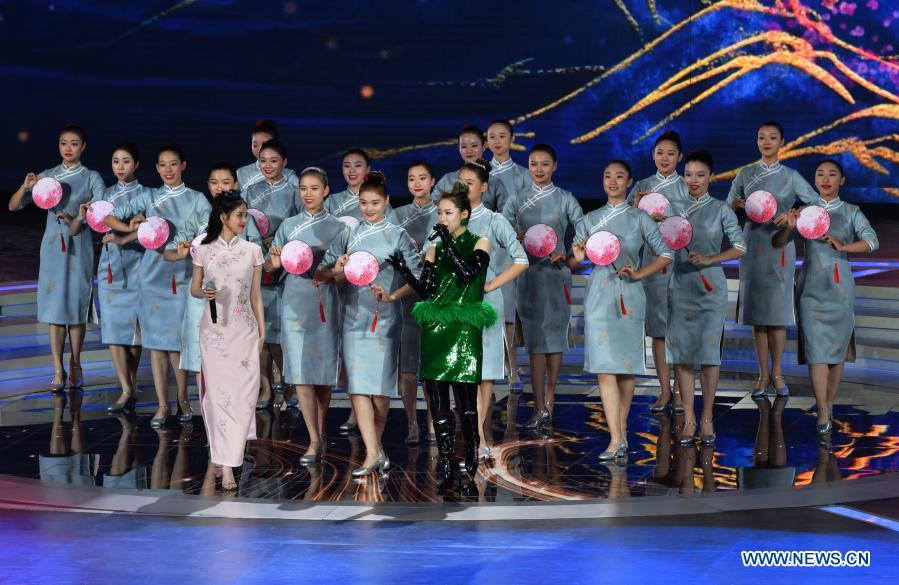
<point>597,80</point>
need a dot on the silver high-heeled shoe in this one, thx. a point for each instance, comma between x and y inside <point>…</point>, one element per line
<point>758,392</point>
<point>314,458</point>
<point>620,452</point>
<point>783,390</point>
<point>79,381</point>
<point>382,463</point>
<point>541,417</point>
<point>56,388</point>
<point>825,429</point>
<point>483,454</point>
<point>707,439</point>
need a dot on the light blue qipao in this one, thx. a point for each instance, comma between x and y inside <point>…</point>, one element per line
<point>696,314</point>
<point>494,198</point>
<point>346,203</point>
<point>615,308</point>
<point>514,178</point>
<point>64,285</point>
<point>766,273</point>
<point>371,357</point>
<point>251,174</point>
<point>543,307</point>
<point>826,289</point>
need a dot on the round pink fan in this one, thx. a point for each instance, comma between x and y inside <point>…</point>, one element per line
<point>540,240</point>
<point>349,220</point>
<point>153,233</point>
<point>262,221</point>
<point>813,222</point>
<point>96,213</point>
<point>195,244</point>
<point>761,206</point>
<point>654,203</point>
<point>47,193</point>
<point>362,268</point>
<point>296,257</point>
<point>677,232</point>
<point>603,248</point>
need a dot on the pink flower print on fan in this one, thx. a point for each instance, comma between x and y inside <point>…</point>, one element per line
<point>47,193</point>
<point>296,257</point>
<point>195,245</point>
<point>603,248</point>
<point>813,222</point>
<point>540,240</point>
<point>262,221</point>
<point>362,268</point>
<point>96,213</point>
<point>349,220</point>
<point>761,206</point>
<point>654,204</point>
<point>153,233</point>
<point>677,232</point>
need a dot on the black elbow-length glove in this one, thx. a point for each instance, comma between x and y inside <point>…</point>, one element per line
<point>425,285</point>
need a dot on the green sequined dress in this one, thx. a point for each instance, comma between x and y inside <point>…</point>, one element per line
<point>452,320</point>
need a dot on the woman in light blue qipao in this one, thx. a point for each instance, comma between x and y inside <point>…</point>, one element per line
<point>515,179</point>
<point>418,219</point>
<point>310,312</point>
<point>163,285</point>
<point>276,197</point>
<point>698,298</point>
<point>67,262</point>
<point>766,273</point>
<point>544,304</point>
<point>503,242</point>
<point>118,278</point>
<point>372,316</point>
<point>826,290</point>
<point>666,154</point>
<point>471,148</point>
<point>615,302</point>
<point>251,174</point>
<point>355,166</point>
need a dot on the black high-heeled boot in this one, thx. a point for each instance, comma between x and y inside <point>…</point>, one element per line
<point>437,394</point>
<point>467,403</point>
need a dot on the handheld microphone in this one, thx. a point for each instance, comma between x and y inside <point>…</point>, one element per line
<point>212,310</point>
<point>434,235</point>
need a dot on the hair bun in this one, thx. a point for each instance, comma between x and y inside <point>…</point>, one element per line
<point>458,188</point>
<point>375,177</point>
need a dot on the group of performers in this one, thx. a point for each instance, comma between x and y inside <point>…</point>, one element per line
<point>451,282</point>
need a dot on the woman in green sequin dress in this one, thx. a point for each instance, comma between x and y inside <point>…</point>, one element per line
<point>452,315</point>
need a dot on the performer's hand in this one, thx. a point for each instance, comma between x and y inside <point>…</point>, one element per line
<point>261,338</point>
<point>319,278</point>
<point>110,237</point>
<point>578,251</point>
<point>209,293</point>
<point>268,241</point>
<point>274,256</point>
<point>781,219</point>
<point>698,259</point>
<point>30,181</point>
<point>397,261</point>
<point>557,257</point>
<point>834,243</point>
<point>183,250</point>
<point>443,232</point>
<point>488,286</point>
<point>64,216</point>
<point>381,294</point>
<point>792,218</point>
<point>658,217</point>
<point>82,211</point>
<point>341,262</point>
<point>629,271</point>
<point>136,221</point>
<point>639,195</point>
<point>738,204</point>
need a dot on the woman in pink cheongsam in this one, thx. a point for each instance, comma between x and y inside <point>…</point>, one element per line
<point>227,271</point>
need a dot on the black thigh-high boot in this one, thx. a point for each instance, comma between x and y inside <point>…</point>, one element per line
<point>437,393</point>
<point>467,404</point>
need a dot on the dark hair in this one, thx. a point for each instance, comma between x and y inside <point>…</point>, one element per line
<point>129,147</point>
<point>834,163</point>
<point>223,165</point>
<point>421,163</point>
<point>480,167</point>
<point>773,124</point>
<point>472,129</point>
<point>269,127</point>
<point>375,181</point>
<point>74,129</point>
<point>543,148</point>
<point>358,151</point>
<point>702,156</point>
<point>505,123</point>
<point>458,194</point>
<point>670,136</point>
<point>617,161</point>
<point>315,172</point>
<point>276,145</point>
<point>172,147</point>
<point>225,203</point>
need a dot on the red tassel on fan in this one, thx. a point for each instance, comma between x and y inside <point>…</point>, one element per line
<point>567,294</point>
<point>836,273</point>
<point>374,322</point>
<point>783,257</point>
<point>174,286</point>
<point>664,270</point>
<point>708,285</point>
<point>62,243</point>
<point>267,279</point>
<point>108,274</point>
<point>623,308</point>
<point>321,311</point>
